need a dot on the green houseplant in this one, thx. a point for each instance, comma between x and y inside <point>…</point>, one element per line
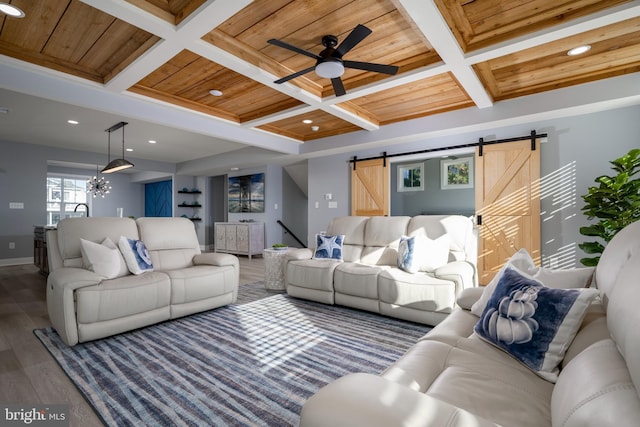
<point>615,201</point>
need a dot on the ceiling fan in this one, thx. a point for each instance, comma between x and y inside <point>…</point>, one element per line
<point>329,63</point>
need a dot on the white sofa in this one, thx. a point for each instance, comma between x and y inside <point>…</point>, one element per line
<point>453,378</point>
<point>85,306</point>
<point>368,278</point>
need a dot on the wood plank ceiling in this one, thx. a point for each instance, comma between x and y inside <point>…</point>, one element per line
<point>106,41</point>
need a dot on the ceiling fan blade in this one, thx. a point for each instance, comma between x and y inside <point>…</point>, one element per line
<point>338,87</point>
<point>356,36</point>
<point>370,66</point>
<point>294,75</point>
<point>293,48</point>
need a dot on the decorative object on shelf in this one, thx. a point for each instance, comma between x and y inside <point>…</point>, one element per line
<point>98,186</point>
<point>116,165</point>
<point>246,193</point>
<point>456,173</point>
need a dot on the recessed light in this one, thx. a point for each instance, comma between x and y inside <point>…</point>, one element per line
<point>215,92</point>
<point>234,169</point>
<point>151,141</point>
<point>73,122</point>
<point>315,128</point>
<point>11,10</point>
<point>579,50</point>
<point>129,149</point>
<point>307,121</point>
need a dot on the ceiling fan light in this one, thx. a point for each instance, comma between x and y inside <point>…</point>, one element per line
<point>11,10</point>
<point>330,69</point>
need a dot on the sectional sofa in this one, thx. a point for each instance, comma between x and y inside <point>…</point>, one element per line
<point>367,275</point>
<point>85,305</point>
<point>454,376</point>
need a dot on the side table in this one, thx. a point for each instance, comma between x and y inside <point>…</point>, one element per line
<point>274,268</point>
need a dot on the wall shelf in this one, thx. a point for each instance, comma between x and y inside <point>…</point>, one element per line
<point>189,192</point>
<point>186,205</point>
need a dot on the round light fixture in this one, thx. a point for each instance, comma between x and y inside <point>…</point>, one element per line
<point>11,10</point>
<point>215,92</point>
<point>315,128</point>
<point>73,122</point>
<point>330,69</point>
<point>233,169</point>
<point>307,121</point>
<point>579,50</point>
<point>129,149</point>
<point>151,141</point>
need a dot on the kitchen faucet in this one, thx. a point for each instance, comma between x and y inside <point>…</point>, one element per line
<point>82,204</point>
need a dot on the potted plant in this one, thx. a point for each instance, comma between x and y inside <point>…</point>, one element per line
<point>279,246</point>
<point>615,202</point>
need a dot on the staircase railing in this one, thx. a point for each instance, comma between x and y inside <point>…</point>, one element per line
<point>286,229</point>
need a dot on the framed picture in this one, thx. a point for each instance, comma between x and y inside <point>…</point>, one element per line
<point>246,193</point>
<point>456,173</point>
<point>411,177</point>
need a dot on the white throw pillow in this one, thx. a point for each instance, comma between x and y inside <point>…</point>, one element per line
<point>136,255</point>
<point>420,253</point>
<point>103,259</point>
<point>552,278</point>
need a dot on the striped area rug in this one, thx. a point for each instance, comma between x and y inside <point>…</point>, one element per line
<point>253,363</point>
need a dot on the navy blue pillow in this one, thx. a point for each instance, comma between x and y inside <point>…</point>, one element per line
<point>328,247</point>
<point>533,323</point>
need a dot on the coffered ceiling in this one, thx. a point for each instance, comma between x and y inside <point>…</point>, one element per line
<point>451,54</point>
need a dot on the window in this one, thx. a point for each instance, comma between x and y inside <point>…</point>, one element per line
<point>64,193</point>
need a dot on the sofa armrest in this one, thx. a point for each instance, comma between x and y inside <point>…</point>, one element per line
<point>61,285</point>
<point>299,253</point>
<point>213,258</point>
<point>463,273</point>
<point>368,400</point>
<point>468,297</point>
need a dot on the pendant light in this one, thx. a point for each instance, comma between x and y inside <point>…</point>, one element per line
<point>116,165</point>
<point>97,186</point>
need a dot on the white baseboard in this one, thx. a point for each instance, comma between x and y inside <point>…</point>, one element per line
<point>16,261</point>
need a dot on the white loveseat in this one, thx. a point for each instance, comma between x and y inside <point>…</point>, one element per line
<point>85,306</point>
<point>368,277</point>
<point>453,378</point>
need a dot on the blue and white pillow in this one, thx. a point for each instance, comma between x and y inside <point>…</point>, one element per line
<point>135,255</point>
<point>328,247</point>
<point>406,255</point>
<point>533,323</point>
<point>420,253</point>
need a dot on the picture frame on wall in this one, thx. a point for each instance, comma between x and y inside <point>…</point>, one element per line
<point>411,177</point>
<point>456,173</point>
<point>246,193</point>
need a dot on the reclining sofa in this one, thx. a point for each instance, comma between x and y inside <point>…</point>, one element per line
<point>368,276</point>
<point>452,377</point>
<point>85,306</point>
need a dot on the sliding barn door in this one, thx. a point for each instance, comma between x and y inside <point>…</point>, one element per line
<point>370,188</point>
<point>507,204</point>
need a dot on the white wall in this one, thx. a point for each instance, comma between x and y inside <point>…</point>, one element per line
<point>577,151</point>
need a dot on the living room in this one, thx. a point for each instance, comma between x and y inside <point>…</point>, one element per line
<point>587,111</point>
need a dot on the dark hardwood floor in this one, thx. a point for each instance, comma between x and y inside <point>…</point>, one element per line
<point>28,374</point>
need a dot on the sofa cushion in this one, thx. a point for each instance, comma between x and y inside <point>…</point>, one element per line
<point>200,283</point>
<point>533,323</point>
<point>328,247</point>
<point>381,239</point>
<point>357,279</point>
<point>420,291</point>
<point>420,253</point>
<point>136,255</point>
<point>352,227</point>
<point>311,273</point>
<point>122,297</point>
<point>463,241</point>
<point>104,259</point>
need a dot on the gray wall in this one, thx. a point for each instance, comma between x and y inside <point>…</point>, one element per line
<point>432,200</point>
<point>294,211</point>
<point>23,173</point>
<point>577,151</point>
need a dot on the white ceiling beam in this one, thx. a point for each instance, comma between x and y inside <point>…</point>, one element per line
<point>428,19</point>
